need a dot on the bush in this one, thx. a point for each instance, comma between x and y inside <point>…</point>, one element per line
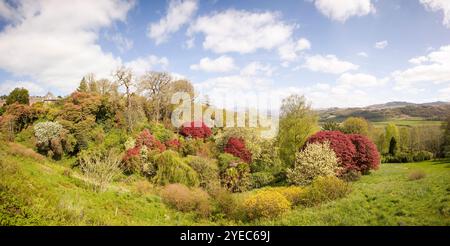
<point>416,175</point>
<point>20,150</point>
<point>366,156</point>
<point>265,204</point>
<point>422,156</point>
<point>236,178</point>
<point>172,169</point>
<point>145,138</point>
<point>293,194</point>
<point>160,132</point>
<point>225,202</point>
<point>313,161</point>
<point>399,157</point>
<point>253,140</point>
<point>356,125</point>
<point>351,176</point>
<point>236,147</point>
<point>324,189</point>
<point>340,144</point>
<point>261,179</point>
<point>190,146</point>
<point>227,160</point>
<point>173,144</point>
<point>184,199</point>
<point>99,167</point>
<point>206,169</point>
<point>195,130</point>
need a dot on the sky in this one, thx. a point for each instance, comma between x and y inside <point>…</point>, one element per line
<point>337,53</point>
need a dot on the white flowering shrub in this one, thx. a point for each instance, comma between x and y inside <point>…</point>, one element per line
<point>317,159</point>
<point>46,131</point>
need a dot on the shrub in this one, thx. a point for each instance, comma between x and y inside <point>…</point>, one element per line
<point>261,179</point>
<point>172,169</point>
<point>184,199</point>
<point>265,204</point>
<point>227,160</point>
<point>20,150</point>
<point>206,169</point>
<point>399,157</point>
<point>324,189</point>
<point>416,175</point>
<point>268,159</point>
<point>145,138</point>
<point>236,178</point>
<point>173,144</point>
<point>236,147</point>
<point>143,187</point>
<point>293,194</point>
<point>313,161</point>
<point>49,138</point>
<point>356,125</point>
<point>99,167</point>
<point>190,146</point>
<point>366,156</point>
<point>340,144</point>
<point>160,132</point>
<point>351,176</point>
<point>195,130</point>
<point>224,201</point>
<point>252,139</point>
<point>422,156</point>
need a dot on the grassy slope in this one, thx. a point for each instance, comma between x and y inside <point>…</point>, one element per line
<point>38,192</point>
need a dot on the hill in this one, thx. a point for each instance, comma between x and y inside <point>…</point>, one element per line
<point>434,111</point>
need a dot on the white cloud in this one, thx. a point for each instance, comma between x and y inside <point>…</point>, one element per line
<point>381,44</point>
<point>344,9</point>
<point>257,68</point>
<point>243,31</point>
<point>122,43</point>
<point>432,68</point>
<point>360,80</point>
<point>141,65</point>
<point>220,64</point>
<point>437,5</point>
<point>289,51</point>
<point>55,43</point>
<point>328,64</point>
<point>179,13</point>
<point>362,54</point>
<point>33,88</point>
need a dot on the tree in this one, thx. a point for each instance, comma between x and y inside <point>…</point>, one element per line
<point>367,156</point>
<point>18,95</point>
<point>391,132</point>
<point>124,77</point>
<point>393,146</point>
<point>356,125</point>
<point>445,149</point>
<point>331,126</point>
<point>155,85</point>
<point>83,87</point>
<point>297,123</point>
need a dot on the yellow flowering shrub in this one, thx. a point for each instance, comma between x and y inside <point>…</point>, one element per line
<point>265,204</point>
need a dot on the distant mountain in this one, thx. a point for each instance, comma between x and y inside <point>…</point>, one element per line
<point>392,110</point>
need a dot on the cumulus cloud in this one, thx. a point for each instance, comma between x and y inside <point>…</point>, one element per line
<point>439,5</point>
<point>220,64</point>
<point>55,43</point>
<point>344,9</point>
<point>432,68</point>
<point>33,88</point>
<point>257,68</point>
<point>179,13</point>
<point>360,80</point>
<point>328,64</point>
<point>140,65</point>
<point>246,32</point>
<point>362,54</point>
<point>122,43</point>
<point>381,44</point>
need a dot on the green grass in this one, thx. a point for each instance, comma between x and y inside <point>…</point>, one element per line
<point>409,122</point>
<point>36,192</point>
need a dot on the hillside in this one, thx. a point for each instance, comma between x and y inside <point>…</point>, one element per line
<point>434,111</point>
<point>36,191</point>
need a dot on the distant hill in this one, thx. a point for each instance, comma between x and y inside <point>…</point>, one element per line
<point>392,110</point>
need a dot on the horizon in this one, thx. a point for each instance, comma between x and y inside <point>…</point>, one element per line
<point>317,48</point>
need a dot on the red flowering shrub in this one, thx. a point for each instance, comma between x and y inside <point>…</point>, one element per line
<point>367,156</point>
<point>173,144</point>
<point>132,160</point>
<point>145,138</point>
<point>195,130</point>
<point>236,147</point>
<point>341,145</point>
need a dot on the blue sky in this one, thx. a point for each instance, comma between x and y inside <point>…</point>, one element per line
<point>335,52</point>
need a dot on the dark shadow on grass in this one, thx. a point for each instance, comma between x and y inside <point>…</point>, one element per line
<point>442,162</point>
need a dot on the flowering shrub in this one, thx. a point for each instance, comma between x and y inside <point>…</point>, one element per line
<point>173,144</point>
<point>195,130</point>
<point>293,194</point>
<point>340,144</point>
<point>265,204</point>
<point>49,138</point>
<point>324,189</point>
<point>145,138</point>
<point>184,199</point>
<point>236,147</point>
<point>317,159</point>
<point>366,156</point>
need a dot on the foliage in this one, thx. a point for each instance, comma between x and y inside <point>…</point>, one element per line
<point>297,123</point>
<point>366,157</point>
<point>391,133</point>
<point>224,201</point>
<point>206,169</point>
<point>340,144</point>
<point>316,159</point>
<point>161,133</point>
<point>331,126</point>
<point>226,160</point>
<point>265,204</point>
<point>404,157</point>
<point>195,129</point>
<point>145,138</point>
<point>253,141</point>
<point>356,125</point>
<point>173,144</point>
<point>236,147</point>
<point>236,178</point>
<point>268,159</point>
<point>416,175</point>
<point>185,199</point>
<point>293,194</point>
<point>261,179</point>
<point>324,189</point>
<point>16,118</point>
<point>172,169</point>
<point>51,139</point>
<point>18,95</point>
<point>99,167</point>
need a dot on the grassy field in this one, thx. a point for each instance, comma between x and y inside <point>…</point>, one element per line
<point>409,122</point>
<point>35,191</point>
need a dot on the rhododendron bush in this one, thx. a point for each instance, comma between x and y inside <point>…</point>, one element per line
<point>367,156</point>
<point>236,147</point>
<point>195,129</point>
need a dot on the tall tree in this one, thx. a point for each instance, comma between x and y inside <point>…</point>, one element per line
<point>356,125</point>
<point>18,95</point>
<point>391,132</point>
<point>124,77</point>
<point>297,123</point>
<point>446,143</point>
<point>156,86</point>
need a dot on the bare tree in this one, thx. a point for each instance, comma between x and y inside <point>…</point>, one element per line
<point>156,86</point>
<point>124,77</point>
